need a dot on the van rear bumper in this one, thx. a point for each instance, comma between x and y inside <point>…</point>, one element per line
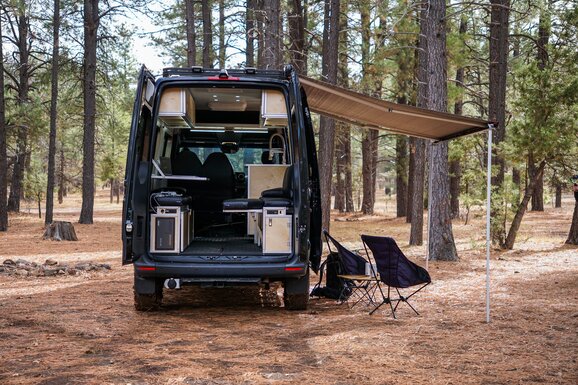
<point>145,267</point>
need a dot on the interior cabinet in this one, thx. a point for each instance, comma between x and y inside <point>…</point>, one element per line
<point>273,108</point>
<point>177,108</point>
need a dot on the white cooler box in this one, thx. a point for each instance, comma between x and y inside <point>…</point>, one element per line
<point>170,229</point>
<point>277,231</point>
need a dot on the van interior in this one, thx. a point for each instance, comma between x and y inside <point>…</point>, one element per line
<point>221,181</point>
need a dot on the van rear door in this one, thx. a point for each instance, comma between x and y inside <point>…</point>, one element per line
<point>140,125</point>
<point>315,198</point>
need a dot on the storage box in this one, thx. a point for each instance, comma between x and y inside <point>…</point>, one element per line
<point>277,229</point>
<point>170,229</point>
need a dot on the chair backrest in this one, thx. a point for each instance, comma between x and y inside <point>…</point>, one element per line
<point>394,268</point>
<point>353,264</point>
<point>186,163</point>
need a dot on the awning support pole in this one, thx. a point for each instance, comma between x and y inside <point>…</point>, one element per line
<point>488,209</point>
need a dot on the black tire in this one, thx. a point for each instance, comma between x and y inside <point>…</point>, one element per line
<point>149,302</point>
<point>296,293</point>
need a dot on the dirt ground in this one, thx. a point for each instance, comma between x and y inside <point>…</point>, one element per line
<point>84,329</point>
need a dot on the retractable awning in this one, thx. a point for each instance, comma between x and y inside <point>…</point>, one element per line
<point>366,111</point>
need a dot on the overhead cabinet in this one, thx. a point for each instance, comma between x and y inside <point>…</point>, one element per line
<point>273,108</point>
<point>177,108</point>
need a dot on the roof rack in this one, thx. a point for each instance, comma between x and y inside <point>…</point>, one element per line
<point>200,71</point>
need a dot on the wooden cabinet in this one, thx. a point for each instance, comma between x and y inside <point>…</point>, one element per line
<point>273,108</point>
<point>177,108</point>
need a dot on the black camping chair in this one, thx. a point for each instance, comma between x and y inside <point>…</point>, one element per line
<point>362,287</point>
<point>395,270</point>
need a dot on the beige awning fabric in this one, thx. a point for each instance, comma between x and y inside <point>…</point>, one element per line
<point>366,111</point>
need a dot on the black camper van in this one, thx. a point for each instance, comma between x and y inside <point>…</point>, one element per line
<point>221,184</point>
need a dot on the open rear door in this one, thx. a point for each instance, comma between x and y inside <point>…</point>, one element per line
<point>140,125</point>
<point>315,198</point>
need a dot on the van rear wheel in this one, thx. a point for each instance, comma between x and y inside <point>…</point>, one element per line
<point>296,293</point>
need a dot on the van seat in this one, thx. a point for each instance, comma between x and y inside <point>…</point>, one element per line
<point>242,204</point>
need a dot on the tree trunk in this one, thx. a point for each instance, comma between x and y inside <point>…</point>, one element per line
<point>16,186</point>
<point>272,47</point>
<point>517,221</point>
<point>250,34</point>
<point>327,125</point>
<point>91,23</point>
<point>499,23</point>
<point>339,203</point>
<point>259,16</point>
<point>455,175</point>
<point>401,175</point>
<point>573,234</point>
<point>538,194</point>
<point>416,197</point>
<point>53,103</point>
<point>207,34</point>
<point>191,33</point>
<point>455,165</point>
<point>222,47</point>
<point>417,170</point>
<point>61,181</point>
<point>60,231</point>
<point>3,156</point>
<point>498,44</point>
<point>558,199</point>
<point>410,177</point>
<point>366,145</point>
<point>441,238</point>
<point>296,36</point>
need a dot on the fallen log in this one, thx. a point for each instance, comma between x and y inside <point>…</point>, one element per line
<point>60,231</point>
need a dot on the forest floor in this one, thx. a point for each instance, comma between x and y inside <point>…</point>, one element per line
<point>83,328</point>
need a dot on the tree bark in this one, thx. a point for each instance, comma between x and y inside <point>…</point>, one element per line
<point>297,36</point>
<point>441,238</point>
<point>3,156</point>
<point>250,34</point>
<point>91,23</point>
<point>16,185</point>
<point>207,34</point>
<point>401,175</point>
<point>191,33</point>
<point>517,221</point>
<point>573,233</point>
<point>53,112</point>
<point>327,125</point>
<point>272,48</point>
<point>339,203</point>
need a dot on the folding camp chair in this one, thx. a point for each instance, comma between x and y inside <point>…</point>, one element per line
<point>395,270</point>
<point>362,287</point>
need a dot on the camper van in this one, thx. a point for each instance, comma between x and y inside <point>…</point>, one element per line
<point>221,184</point>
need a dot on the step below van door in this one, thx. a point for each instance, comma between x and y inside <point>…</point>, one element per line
<point>133,225</point>
<point>315,198</point>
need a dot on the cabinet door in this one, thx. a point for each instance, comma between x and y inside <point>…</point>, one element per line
<point>277,234</point>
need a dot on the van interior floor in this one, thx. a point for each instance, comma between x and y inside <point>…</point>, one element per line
<point>223,246</point>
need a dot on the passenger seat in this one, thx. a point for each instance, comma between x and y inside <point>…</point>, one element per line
<point>221,183</point>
